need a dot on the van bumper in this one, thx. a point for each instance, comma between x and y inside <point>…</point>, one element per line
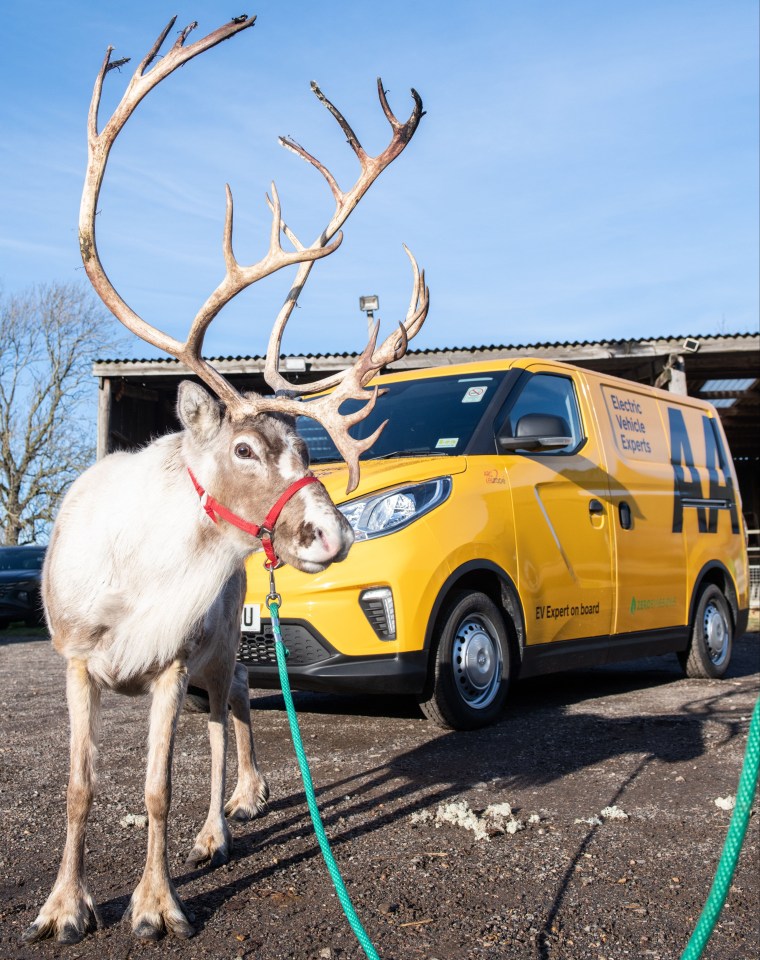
<point>314,664</point>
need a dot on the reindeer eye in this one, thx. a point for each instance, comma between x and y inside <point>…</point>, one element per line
<point>243,451</point>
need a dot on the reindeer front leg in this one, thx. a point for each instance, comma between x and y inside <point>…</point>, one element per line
<point>155,906</point>
<point>69,912</point>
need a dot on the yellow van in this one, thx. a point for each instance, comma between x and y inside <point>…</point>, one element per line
<point>514,518</point>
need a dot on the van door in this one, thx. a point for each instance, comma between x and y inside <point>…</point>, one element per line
<point>650,548</point>
<point>561,514</point>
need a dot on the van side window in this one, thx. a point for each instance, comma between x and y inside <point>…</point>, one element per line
<point>543,395</point>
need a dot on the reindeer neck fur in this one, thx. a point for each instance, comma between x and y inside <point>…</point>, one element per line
<point>134,564</point>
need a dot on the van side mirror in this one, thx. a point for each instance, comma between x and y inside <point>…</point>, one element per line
<point>536,431</point>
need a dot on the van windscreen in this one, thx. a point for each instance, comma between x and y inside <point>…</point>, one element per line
<point>430,416</point>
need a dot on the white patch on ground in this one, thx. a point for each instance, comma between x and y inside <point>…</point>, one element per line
<point>420,816</point>
<point>609,813</point>
<point>725,803</point>
<point>139,820</point>
<point>496,819</point>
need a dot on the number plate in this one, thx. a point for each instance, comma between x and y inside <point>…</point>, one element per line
<point>250,622</point>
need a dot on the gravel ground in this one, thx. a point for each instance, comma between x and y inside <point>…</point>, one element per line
<point>556,878</point>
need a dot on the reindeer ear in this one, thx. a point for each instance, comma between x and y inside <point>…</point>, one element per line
<point>198,411</point>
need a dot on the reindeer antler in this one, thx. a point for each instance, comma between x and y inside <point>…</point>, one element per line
<point>351,382</point>
<point>345,202</point>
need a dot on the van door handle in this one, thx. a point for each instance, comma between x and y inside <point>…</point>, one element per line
<point>595,507</point>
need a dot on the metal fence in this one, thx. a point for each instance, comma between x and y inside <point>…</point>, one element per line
<point>753,551</point>
<point>754,587</point>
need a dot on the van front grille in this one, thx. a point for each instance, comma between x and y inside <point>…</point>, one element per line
<point>303,647</point>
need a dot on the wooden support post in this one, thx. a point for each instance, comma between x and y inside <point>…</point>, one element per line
<point>104,416</point>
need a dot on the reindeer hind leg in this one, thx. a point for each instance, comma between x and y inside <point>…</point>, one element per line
<point>249,798</point>
<point>214,842</point>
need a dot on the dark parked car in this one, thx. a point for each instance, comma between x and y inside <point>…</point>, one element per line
<point>20,576</point>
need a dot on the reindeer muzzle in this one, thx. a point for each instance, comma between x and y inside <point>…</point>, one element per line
<point>263,531</point>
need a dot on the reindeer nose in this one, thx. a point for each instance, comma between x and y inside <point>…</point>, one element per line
<point>337,545</point>
<point>329,544</point>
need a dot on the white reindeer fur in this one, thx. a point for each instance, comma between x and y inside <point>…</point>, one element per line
<point>131,525</point>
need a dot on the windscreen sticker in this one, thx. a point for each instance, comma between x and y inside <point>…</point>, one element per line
<point>446,442</point>
<point>474,394</point>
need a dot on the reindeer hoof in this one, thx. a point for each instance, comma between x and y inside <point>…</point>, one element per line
<point>68,932</point>
<point>36,931</point>
<point>202,856</point>
<point>172,922</point>
<point>243,815</point>
<point>147,931</point>
<point>212,845</point>
<point>219,858</point>
<point>244,805</point>
<point>183,930</point>
<point>155,912</point>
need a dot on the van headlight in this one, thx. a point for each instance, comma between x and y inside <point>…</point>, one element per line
<point>392,510</point>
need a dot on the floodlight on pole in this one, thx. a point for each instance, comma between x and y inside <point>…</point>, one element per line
<point>369,305</point>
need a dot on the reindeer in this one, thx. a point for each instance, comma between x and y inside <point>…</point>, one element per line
<point>142,588</point>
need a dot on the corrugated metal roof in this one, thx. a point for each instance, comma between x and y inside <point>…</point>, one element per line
<point>672,340</point>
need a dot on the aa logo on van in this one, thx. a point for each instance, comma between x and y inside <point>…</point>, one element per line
<point>688,490</point>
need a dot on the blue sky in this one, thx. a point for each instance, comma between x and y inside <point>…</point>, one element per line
<point>585,170</point>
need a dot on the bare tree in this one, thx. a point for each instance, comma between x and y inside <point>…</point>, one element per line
<point>49,336</point>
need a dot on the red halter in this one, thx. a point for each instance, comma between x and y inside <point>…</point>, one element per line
<point>264,532</point>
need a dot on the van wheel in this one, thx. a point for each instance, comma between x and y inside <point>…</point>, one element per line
<point>470,667</point>
<point>709,652</point>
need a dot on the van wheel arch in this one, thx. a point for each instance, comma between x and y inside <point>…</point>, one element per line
<point>483,576</point>
<point>715,573</point>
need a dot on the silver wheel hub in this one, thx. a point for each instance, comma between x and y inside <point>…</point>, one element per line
<point>715,633</point>
<point>476,661</point>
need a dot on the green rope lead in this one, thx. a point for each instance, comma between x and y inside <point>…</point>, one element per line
<point>324,844</point>
<point>733,845</point>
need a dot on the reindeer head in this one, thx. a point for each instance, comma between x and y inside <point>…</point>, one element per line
<point>250,462</point>
<point>248,444</point>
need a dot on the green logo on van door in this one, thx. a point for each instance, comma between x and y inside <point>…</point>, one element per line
<point>654,603</point>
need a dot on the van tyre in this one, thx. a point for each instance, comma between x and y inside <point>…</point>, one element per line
<point>709,652</point>
<point>470,664</point>
<point>196,701</point>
